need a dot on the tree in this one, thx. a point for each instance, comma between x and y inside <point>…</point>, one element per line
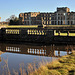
<point>13,20</point>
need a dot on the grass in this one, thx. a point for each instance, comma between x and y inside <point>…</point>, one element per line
<point>63,26</point>
<point>19,26</point>
<point>35,26</point>
<point>63,66</point>
<point>22,26</point>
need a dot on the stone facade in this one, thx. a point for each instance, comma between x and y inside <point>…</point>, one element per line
<point>30,18</point>
<point>62,16</point>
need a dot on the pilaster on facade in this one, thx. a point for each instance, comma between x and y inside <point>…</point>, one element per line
<point>57,19</point>
<point>65,18</point>
<point>73,19</point>
<point>29,20</point>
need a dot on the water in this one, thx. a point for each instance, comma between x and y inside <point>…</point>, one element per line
<point>15,55</point>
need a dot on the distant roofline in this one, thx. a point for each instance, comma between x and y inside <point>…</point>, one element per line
<point>49,12</point>
<point>37,12</point>
<point>62,7</point>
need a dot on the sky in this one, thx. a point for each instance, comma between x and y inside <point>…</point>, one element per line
<point>15,7</point>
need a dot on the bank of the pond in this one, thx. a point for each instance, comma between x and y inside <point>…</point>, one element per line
<point>65,65</point>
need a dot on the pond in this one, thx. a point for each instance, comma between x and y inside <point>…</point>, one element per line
<point>14,57</point>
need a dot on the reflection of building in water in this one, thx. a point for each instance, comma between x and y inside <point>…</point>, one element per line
<point>49,51</point>
<point>68,49</point>
<point>37,51</point>
<point>32,50</point>
<point>13,49</point>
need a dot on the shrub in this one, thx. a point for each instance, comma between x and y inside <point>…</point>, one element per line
<point>54,65</point>
<point>53,72</point>
<point>63,71</point>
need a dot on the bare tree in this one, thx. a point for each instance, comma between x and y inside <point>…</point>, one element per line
<point>13,20</point>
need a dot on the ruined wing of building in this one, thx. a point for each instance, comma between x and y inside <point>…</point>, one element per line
<point>62,16</point>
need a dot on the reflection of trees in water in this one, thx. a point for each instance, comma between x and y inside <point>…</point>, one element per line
<point>0,55</point>
<point>0,59</point>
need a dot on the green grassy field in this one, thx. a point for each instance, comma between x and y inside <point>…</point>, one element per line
<point>60,25</point>
<point>35,26</point>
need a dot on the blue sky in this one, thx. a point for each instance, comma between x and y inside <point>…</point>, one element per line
<point>14,7</point>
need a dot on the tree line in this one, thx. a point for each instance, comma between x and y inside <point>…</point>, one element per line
<point>13,20</point>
